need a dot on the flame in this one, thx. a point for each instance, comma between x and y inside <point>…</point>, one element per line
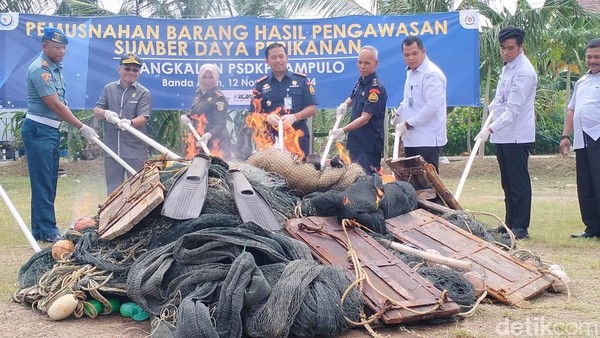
<point>190,142</point>
<point>344,156</point>
<point>260,131</point>
<point>378,197</point>
<point>215,149</point>
<point>385,178</point>
<point>291,140</point>
<point>201,122</point>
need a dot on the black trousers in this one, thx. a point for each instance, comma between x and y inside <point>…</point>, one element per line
<point>587,164</point>
<point>514,177</point>
<point>431,155</point>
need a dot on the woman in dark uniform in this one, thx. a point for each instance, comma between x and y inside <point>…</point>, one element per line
<point>211,102</point>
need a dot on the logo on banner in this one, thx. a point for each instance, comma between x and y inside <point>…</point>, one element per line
<point>9,21</point>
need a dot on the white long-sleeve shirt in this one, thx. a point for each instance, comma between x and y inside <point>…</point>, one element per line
<point>513,114</point>
<point>585,103</point>
<point>423,106</point>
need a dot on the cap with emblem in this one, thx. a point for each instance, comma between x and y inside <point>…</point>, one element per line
<point>55,35</point>
<point>131,59</point>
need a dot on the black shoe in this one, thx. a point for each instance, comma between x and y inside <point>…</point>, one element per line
<point>501,229</point>
<point>584,235</point>
<point>520,233</point>
<point>53,239</point>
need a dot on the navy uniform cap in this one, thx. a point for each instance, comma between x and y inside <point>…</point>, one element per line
<point>55,35</point>
<point>131,59</point>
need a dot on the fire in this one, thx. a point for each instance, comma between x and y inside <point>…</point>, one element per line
<point>344,156</point>
<point>291,140</point>
<point>260,131</point>
<point>190,142</point>
<point>385,178</point>
<point>201,122</point>
<point>215,149</point>
<point>378,197</point>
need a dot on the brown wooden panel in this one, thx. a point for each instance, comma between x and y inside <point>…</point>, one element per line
<point>508,279</point>
<point>387,273</point>
<point>130,203</point>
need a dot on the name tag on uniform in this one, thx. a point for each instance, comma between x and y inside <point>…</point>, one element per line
<point>287,102</point>
<point>133,102</point>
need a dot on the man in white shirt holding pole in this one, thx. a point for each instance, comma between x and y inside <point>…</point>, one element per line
<point>512,130</point>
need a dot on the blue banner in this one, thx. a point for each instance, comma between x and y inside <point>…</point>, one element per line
<point>173,51</point>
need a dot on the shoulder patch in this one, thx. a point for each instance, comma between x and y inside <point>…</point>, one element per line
<point>300,74</point>
<point>262,78</point>
<point>46,77</point>
<point>373,97</point>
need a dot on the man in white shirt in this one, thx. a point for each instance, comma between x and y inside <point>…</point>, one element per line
<point>583,120</point>
<point>512,130</point>
<point>421,117</point>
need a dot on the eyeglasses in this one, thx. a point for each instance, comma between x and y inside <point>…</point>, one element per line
<point>129,69</point>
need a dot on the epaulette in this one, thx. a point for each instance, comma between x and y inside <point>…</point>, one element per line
<point>262,78</point>
<point>218,93</point>
<point>375,84</point>
<point>299,74</point>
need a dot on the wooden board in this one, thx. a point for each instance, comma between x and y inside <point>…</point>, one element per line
<point>508,279</point>
<point>422,175</point>
<point>130,203</point>
<point>387,273</point>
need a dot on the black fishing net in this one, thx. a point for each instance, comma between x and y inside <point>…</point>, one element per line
<point>242,271</point>
<point>469,224</point>
<point>366,201</point>
<point>459,288</point>
<point>35,267</point>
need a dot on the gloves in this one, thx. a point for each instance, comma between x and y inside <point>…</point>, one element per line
<point>206,137</point>
<point>289,118</point>
<point>341,109</point>
<point>336,133</point>
<point>184,120</point>
<point>123,122</point>
<point>111,116</point>
<point>273,119</point>
<point>484,134</point>
<point>401,128</point>
<point>397,120</point>
<point>88,132</point>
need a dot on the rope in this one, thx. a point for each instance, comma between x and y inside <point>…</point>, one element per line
<point>361,277</point>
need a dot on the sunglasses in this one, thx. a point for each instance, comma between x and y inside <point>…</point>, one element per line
<point>129,69</point>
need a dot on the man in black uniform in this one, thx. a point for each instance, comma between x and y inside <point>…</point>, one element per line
<point>366,127</point>
<point>291,93</point>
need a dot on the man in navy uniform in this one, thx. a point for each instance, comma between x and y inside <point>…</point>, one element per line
<point>292,93</point>
<point>366,127</point>
<point>46,109</point>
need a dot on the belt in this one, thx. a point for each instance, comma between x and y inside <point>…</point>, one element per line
<point>44,120</point>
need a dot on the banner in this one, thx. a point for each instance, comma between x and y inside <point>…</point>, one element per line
<point>174,49</point>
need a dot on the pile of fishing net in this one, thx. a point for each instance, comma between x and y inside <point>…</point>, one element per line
<point>304,178</point>
<point>214,270</point>
<point>366,201</point>
<point>246,280</point>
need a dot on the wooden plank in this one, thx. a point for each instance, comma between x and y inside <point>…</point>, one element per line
<point>508,279</point>
<point>130,203</point>
<point>387,273</point>
<point>422,175</point>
